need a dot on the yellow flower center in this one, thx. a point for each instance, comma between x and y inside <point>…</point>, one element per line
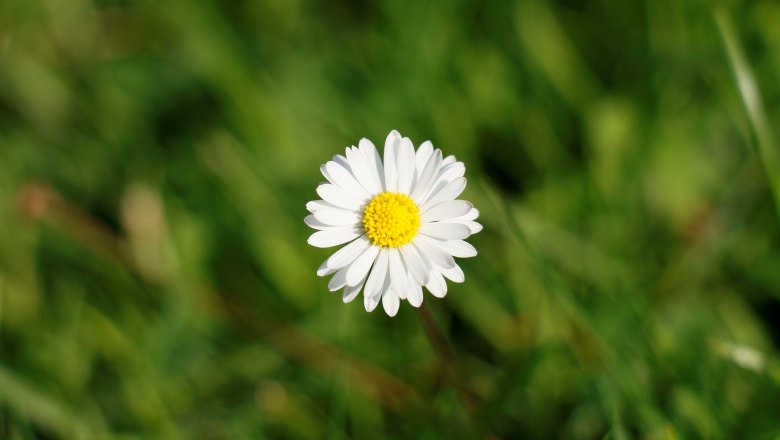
<point>391,219</point>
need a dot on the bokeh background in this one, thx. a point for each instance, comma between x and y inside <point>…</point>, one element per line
<point>156,157</point>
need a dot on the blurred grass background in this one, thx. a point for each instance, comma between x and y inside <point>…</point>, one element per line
<point>156,157</point>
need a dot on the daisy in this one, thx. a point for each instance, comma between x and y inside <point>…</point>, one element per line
<point>400,218</point>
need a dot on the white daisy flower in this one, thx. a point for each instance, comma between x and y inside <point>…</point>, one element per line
<point>401,219</point>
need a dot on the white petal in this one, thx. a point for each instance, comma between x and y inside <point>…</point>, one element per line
<point>391,162</point>
<point>316,224</point>
<point>363,171</point>
<point>436,285</point>
<point>414,264</point>
<point>333,237</point>
<point>415,295</point>
<point>359,269</point>
<point>450,172</point>
<point>422,156</point>
<point>378,274</point>
<point>427,174</point>
<point>338,280</point>
<point>371,155</point>
<point>454,274</point>
<point>343,178</point>
<point>406,167</point>
<point>446,175</point>
<point>457,248</point>
<point>432,251</point>
<point>370,302</point>
<point>425,260</point>
<point>471,215</point>
<point>397,271</point>
<point>392,137</point>
<point>390,302</point>
<point>348,253</point>
<point>338,197</point>
<point>444,211</point>
<point>474,227</point>
<point>448,160</point>
<point>338,217</point>
<point>350,292</point>
<point>324,270</point>
<point>341,160</point>
<point>447,231</point>
<point>315,205</point>
<point>444,193</point>
<point>325,173</point>
<point>453,171</point>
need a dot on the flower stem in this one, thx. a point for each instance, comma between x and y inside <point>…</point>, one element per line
<point>449,367</point>
<point>436,338</point>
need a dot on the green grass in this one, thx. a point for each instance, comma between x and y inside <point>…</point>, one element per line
<point>156,158</point>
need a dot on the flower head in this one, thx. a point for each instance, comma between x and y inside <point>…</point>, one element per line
<point>400,218</point>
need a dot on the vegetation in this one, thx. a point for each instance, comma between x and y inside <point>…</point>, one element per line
<point>156,158</point>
